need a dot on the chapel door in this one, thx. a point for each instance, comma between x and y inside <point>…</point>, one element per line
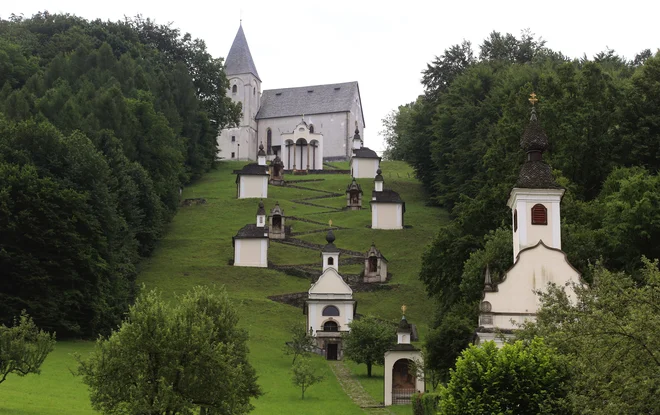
<point>331,351</point>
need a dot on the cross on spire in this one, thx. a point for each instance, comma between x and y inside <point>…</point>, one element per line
<point>532,99</point>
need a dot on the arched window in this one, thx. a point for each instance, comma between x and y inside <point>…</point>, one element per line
<point>515,220</point>
<point>331,311</point>
<point>234,89</point>
<point>269,141</point>
<point>311,128</point>
<point>539,215</point>
<point>330,326</point>
<point>331,261</point>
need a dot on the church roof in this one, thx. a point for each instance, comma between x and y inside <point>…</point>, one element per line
<point>323,99</point>
<point>386,196</point>
<point>354,185</point>
<point>253,169</point>
<point>365,153</point>
<point>252,231</point>
<point>330,284</point>
<point>239,59</point>
<point>536,174</point>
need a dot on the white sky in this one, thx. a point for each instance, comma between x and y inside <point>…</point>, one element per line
<point>384,45</point>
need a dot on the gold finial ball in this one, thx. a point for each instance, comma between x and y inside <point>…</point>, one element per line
<point>330,222</point>
<point>532,98</point>
<point>403,309</point>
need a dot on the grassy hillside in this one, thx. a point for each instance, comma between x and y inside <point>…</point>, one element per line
<point>197,250</point>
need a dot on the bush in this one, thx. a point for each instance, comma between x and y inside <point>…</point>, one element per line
<point>425,403</point>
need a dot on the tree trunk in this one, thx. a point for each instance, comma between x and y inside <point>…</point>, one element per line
<point>368,369</point>
<point>303,392</point>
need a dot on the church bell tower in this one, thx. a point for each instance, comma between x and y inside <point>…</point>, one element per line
<point>240,142</point>
<point>535,200</point>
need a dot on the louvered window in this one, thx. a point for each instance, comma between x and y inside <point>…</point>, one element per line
<point>539,215</point>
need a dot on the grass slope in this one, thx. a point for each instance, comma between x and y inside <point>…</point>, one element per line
<point>197,249</point>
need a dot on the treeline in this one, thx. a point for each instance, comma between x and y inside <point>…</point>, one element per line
<point>602,117</point>
<point>101,123</point>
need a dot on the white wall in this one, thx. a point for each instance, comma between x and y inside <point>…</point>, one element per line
<point>253,187</point>
<point>391,357</point>
<point>363,168</point>
<point>386,215</point>
<point>251,252</point>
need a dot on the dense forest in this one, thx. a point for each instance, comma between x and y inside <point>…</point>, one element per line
<point>602,117</point>
<point>101,123</point>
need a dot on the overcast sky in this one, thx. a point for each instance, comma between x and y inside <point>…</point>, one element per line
<point>381,44</point>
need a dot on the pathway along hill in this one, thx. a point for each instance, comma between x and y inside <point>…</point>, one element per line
<point>197,249</point>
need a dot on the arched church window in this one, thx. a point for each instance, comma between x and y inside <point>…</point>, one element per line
<point>330,326</point>
<point>515,220</point>
<point>269,141</point>
<point>311,128</point>
<point>331,261</point>
<point>234,89</point>
<point>331,311</point>
<point>539,215</point>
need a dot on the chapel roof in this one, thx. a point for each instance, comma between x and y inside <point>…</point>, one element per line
<point>261,210</point>
<point>379,176</point>
<point>253,169</point>
<point>373,251</point>
<point>261,152</point>
<point>252,231</point>
<point>354,185</point>
<point>239,59</point>
<point>330,246</point>
<point>323,99</point>
<point>365,153</point>
<point>386,196</point>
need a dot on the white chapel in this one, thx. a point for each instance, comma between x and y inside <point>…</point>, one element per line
<point>251,242</point>
<point>538,260</point>
<point>272,117</point>
<point>330,306</point>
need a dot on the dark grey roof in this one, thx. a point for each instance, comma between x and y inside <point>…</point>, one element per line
<point>261,210</point>
<point>252,231</point>
<point>261,150</point>
<point>239,59</point>
<point>534,138</point>
<point>365,153</point>
<point>288,102</point>
<point>354,185</point>
<point>330,246</point>
<point>403,347</point>
<point>253,169</point>
<point>404,325</point>
<point>536,175</point>
<point>379,176</point>
<point>386,196</point>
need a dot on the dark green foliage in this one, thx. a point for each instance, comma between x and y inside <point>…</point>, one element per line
<point>368,341</point>
<point>520,378</point>
<point>425,403</point>
<point>100,126</point>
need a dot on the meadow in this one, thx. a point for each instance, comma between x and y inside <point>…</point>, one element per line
<point>197,249</point>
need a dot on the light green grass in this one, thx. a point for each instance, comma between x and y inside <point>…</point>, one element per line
<point>196,249</point>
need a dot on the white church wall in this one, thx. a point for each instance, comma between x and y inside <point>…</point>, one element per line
<point>317,319</point>
<point>253,187</point>
<point>515,297</point>
<point>337,130</point>
<point>386,216</point>
<point>248,93</point>
<point>252,252</point>
<point>362,168</point>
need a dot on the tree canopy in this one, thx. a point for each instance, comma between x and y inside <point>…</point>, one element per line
<point>368,341</point>
<point>173,359</point>
<point>101,124</point>
<point>519,378</point>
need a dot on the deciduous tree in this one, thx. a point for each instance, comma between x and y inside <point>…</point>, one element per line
<point>171,359</point>
<point>368,341</point>
<point>304,375</point>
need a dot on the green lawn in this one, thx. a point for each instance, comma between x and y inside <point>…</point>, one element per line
<point>197,249</point>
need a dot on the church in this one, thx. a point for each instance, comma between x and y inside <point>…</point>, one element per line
<point>326,115</point>
<point>538,260</point>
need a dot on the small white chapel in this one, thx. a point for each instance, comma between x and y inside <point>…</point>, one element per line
<point>364,163</point>
<point>387,208</point>
<point>538,260</point>
<point>251,242</point>
<point>330,306</point>
<point>252,179</point>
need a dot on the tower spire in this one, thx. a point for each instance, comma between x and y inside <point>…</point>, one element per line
<point>239,59</point>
